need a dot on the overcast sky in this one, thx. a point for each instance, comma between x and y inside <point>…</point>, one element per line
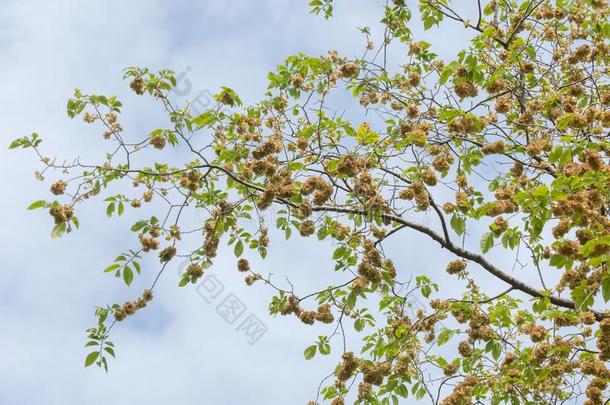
<point>178,350</point>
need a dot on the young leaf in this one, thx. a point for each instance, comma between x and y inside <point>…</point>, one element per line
<point>112,267</point>
<point>127,275</point>
<point>239,248</point>
<point>91,358</point>
<point>310,352</point>
<point>487,242</point>
<point>37,204</point>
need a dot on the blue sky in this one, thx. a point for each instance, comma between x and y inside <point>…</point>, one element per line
<point>179,350</point>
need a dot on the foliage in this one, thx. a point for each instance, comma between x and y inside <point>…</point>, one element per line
<point>505,149</point>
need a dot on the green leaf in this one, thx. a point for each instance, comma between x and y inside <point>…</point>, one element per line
<point>110,350</point>
<point>127,275</point>
<point>91,357</point>
<point>458,224</point>
<point>324,349</point>
<point>564,121</point>
<point>444,336</point>
<point>446,73</point>
<point>583,300</point>
<point>496,351</point>
<point>351,300</point>
<point>58,230</point>
<point>558,261</point>
<point>138,226</point>
<point>204,119</point>
<point>239,248</point>
<point>402,391</point>
<point>136,265</point>
<point>606,289</point>
<point>37,204</point>
<point>310,352</point>
<point>112,267</point>
<point>16,143</point>
<point>228,155</point>
<point>487,242</point>
<point>365,135</point>
<point>339,252</point>
<point>110,209</point>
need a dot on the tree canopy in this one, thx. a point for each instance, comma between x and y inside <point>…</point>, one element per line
<point>500,156</point>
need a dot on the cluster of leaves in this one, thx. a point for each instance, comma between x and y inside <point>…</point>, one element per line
<point>98,337</point>
<point>124,265</point>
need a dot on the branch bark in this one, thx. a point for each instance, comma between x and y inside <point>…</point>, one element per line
<point>468,255</point>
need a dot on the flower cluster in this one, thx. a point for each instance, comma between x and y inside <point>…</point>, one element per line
<point>322,314</point>
<point>371,263</point>
<point>321,189</point>
<point>210,244</point>
<point>59,187</point>
<point>417,191</point>
<point>61,213</point>
<point>462,393</point>
<point>167,254</point>
<point>130,307</point>
<point>456,267</point>
<point>191,180</point>
<point>158,141</point>
<point>138,85</point>
<point>243,265</point>
<point>497,147</point>
<point>603,340</point>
